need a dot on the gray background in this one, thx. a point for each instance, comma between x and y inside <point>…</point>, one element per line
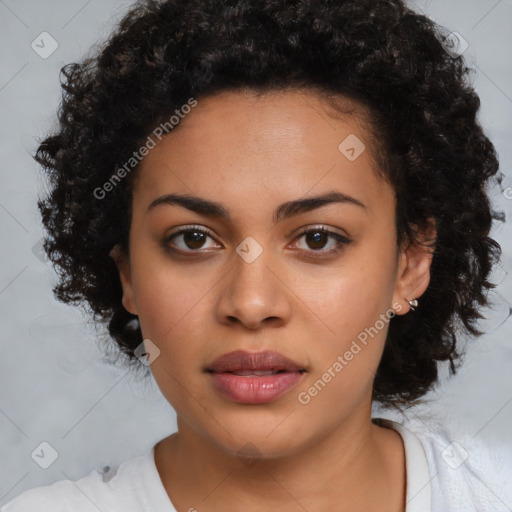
<point>54,386</point>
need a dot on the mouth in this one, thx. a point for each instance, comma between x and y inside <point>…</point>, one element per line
<point>254,377</point>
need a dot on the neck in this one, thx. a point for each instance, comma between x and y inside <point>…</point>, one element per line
<point>358,465</point>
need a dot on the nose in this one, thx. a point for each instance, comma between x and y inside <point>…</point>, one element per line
<point>254,295</point>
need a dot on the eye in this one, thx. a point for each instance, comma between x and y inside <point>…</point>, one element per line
<point>192,239</point>
<point>316,238</point>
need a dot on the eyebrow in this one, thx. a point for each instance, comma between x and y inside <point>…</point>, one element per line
<point>284,211</point>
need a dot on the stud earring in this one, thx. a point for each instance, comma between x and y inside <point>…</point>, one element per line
<point>413,304</point>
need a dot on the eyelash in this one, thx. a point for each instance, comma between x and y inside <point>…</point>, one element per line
<point>341,240</point>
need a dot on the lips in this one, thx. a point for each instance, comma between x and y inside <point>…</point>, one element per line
<point>245,363</point>
<point>254,377</point>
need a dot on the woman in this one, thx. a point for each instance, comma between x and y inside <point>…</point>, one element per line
<point>280,209</point>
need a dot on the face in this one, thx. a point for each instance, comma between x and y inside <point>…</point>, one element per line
<point>316,282</point>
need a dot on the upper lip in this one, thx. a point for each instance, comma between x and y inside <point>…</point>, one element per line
<point>240,360</point>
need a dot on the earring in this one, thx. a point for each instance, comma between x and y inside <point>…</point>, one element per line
<point>413,304</point>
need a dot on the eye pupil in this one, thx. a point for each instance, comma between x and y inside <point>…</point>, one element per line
<point>315,237</point>
<point>191,238</point>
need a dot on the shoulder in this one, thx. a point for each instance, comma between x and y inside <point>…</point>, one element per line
<point>466,473</point>
<point>108,488</point>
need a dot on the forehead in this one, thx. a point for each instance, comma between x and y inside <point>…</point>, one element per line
<point>244,146</point>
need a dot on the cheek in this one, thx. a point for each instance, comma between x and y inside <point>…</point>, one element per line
<point>173,311</point>
<point>169,303</point>
<point>346,356</point>
<point>355,320</point>
<point>353,296</point>
<point>355,308</point>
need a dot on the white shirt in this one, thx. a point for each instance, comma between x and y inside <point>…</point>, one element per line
<point>436,481</point>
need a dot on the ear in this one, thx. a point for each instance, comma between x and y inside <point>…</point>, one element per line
<point>413,275</point>
<point>123,266</point>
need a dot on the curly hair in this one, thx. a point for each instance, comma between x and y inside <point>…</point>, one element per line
<point>379,52</point>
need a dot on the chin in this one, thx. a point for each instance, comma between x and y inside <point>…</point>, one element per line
<point>260,439</point>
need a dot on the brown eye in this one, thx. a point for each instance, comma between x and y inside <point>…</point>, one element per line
<point>188,240</point>
<point>316,239</point>
<point>193,239</point>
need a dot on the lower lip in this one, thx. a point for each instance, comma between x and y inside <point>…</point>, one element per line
<point>254,389</point>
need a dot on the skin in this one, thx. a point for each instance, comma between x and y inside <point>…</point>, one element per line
<point>251,153</point>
